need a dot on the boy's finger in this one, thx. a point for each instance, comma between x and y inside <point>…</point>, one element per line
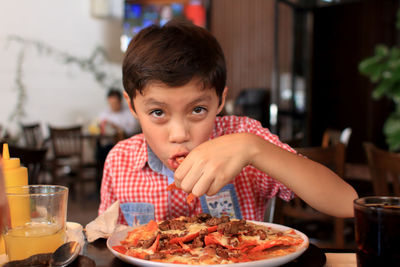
<point>214,188</point>
<point>181,172</point>
<point>190,179</point>
<point>203,185</point>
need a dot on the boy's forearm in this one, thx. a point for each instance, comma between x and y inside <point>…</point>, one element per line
<point>314,183</point>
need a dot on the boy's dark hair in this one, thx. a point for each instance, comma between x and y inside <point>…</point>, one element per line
<point>173,54</point>
<point>113,92</point>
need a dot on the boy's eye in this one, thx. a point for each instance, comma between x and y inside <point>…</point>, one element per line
<point>157,113</point>
<point>199,110</point>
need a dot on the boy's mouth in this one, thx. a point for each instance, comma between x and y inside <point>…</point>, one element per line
<point>176,160</point>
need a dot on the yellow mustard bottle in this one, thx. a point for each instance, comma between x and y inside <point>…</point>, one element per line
<point>15,175</point>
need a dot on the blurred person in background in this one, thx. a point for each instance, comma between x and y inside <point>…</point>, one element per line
<point>117,119</point>
<point>115,122</point>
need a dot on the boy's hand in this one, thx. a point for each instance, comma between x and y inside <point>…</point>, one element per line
<point>214,163</point>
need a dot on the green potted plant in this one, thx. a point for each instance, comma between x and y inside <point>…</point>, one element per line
<point>383,69</point>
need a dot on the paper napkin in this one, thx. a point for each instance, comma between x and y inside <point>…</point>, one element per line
<point>105,224</point>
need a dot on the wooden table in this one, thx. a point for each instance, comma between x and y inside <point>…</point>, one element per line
<point>99,252</point>
<point>341,260</point>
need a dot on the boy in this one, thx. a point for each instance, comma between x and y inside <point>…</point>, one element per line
<point>118,117</point>
<point>174,79</point>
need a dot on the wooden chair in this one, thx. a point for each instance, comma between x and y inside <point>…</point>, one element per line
<point>33,159</point>
<point>68,165</point>
<point>333,137</point>
<point>384,167</point>
<point>33,136</point>
<point>297,212</point>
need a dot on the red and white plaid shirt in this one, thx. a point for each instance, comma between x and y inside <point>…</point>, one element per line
<point>127,177</point>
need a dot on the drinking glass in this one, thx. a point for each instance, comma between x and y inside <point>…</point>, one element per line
<point>377,231</point>
<point>37,220</point>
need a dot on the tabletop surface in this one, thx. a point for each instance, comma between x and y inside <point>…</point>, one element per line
<point>99,252</point>
<point>341,260</point>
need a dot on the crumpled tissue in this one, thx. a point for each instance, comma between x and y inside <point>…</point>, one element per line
<point>105,224</point>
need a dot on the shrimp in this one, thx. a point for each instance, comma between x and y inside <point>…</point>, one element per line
<point>172,186</point>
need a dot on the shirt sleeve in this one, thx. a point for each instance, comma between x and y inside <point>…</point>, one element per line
<point>107,195</point>
<point>269,185</point>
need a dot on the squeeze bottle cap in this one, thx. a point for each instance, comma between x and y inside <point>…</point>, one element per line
<point>9,163</point>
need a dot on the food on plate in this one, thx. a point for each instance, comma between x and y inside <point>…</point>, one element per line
<point>203,239</point>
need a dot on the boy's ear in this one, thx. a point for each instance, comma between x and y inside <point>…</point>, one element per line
<point>130,104</point>
<point>223,97</point>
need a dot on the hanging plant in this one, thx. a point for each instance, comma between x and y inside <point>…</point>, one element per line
<point>19,110</point>
<point>383,69</point>
<point>94,65</point>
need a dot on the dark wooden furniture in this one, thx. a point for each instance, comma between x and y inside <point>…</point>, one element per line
<point>384,167</point>
<point>298,214</point>
<point>343,36</point>
<point>68,166</point>
<point>323,42</point>
<point>333,156</point>
<point>33,136</point>
<point>32,158</point>
<point>332,137</point>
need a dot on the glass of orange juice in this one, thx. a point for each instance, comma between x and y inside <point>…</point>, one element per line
<point>38,220</point>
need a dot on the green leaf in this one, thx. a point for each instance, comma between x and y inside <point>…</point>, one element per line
<point>367,63</point>
<point>394,143</point>
<point>385,87</point>
<point>381,50</point>
<point>394,53</point>
<point>372,67</point>
<point>391,129</point>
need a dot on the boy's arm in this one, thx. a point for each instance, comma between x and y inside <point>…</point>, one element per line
<point>215,163</point>
<point>316,184</point>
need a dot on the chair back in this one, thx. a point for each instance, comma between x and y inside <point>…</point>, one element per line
<point>384,167</point>
<point>32,158</point>
<point>67,166</point>
<point>66,142</point>
<point>332,157</point>
<point>32,134</point>
<point>332,137</point>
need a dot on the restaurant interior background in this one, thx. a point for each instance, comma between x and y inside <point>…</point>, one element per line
<point>52,51</point>
<point>60,57</point>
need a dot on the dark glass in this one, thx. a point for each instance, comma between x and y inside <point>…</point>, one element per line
<point>377,230</point>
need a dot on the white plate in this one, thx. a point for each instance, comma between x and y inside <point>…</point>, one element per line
<point>114,240</point>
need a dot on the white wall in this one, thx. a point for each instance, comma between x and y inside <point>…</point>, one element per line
<point>57,93</point>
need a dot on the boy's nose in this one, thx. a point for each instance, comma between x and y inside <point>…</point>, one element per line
<point>179,132</point>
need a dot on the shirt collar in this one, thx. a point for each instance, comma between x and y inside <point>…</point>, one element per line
<point>156,165</point>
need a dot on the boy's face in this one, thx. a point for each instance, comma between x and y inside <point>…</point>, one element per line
<point>115,103</point>
<point>176,120</point>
